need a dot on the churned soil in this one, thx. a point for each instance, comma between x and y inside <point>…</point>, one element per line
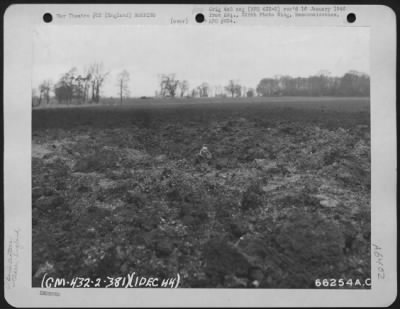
<point>283,200</point>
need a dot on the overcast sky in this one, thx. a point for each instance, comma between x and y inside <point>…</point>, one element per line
<point>213,54</point>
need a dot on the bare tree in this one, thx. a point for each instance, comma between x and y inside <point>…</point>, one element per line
<point>184,87</point>
<point>79,89</point>
<point>65,88</point>
<point>219,91</point>
<point>98,75</point>
<point>204,89</point>
<point>86,80</point>
<point>168,85</point>
<point>123,89</point>
<point>195,93</point>
<point>44,91</point>
<point>234,88</point>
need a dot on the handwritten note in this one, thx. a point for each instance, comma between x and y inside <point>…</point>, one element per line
<point>378,254</point>
<point>12,259</point>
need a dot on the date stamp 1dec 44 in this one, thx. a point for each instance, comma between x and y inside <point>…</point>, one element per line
<point>131,280</point>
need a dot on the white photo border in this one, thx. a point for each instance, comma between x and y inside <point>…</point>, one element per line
<point>19,23</point>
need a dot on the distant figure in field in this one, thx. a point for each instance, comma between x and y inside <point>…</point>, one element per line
<point>203,156</point>
<point>205,153</point>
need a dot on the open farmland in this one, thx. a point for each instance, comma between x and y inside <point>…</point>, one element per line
<point>284,200</point>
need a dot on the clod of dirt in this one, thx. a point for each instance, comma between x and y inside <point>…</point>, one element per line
<point>238,228</point>
<point>329,203</point>
<point>124,268</point>
<point>83,189</point>
<point>135,155</point>
<point>97,162</point>
<point>160,158</point>
<point>48,203</point>
<point>174,195</point>
<point>326,201</point>
<point>299,199</point>
<point>151,223</point>
<point>147,238</point>
<point>193,215</point>
<point>107,184</point>
<point>164,248</point>
<point>267,166</point>
<point>221,163</point>
<point>252,197</point>
<point>223,258</point>
<point>97,214</point>
<point>287,129</point>
<point>39,191</point>
<point>188,220</point>
<point>350,172</point>
<point>255,276</point>
<point>322,245</point>
<point>166,173</point>
<point>257,249</point>
<point>135,198</point>
<point>44,268</point>
<point>39,151</point>
<point>231,281</point>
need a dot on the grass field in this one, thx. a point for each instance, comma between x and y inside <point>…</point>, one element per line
<point>284,199</point>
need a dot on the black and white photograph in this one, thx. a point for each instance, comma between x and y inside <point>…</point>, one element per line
<point>198,155</point>
<point>201,157</point>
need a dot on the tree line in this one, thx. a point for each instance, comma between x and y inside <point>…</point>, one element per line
<point>352,83</point>
<point>86,87</point>
<point>170,86</point>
